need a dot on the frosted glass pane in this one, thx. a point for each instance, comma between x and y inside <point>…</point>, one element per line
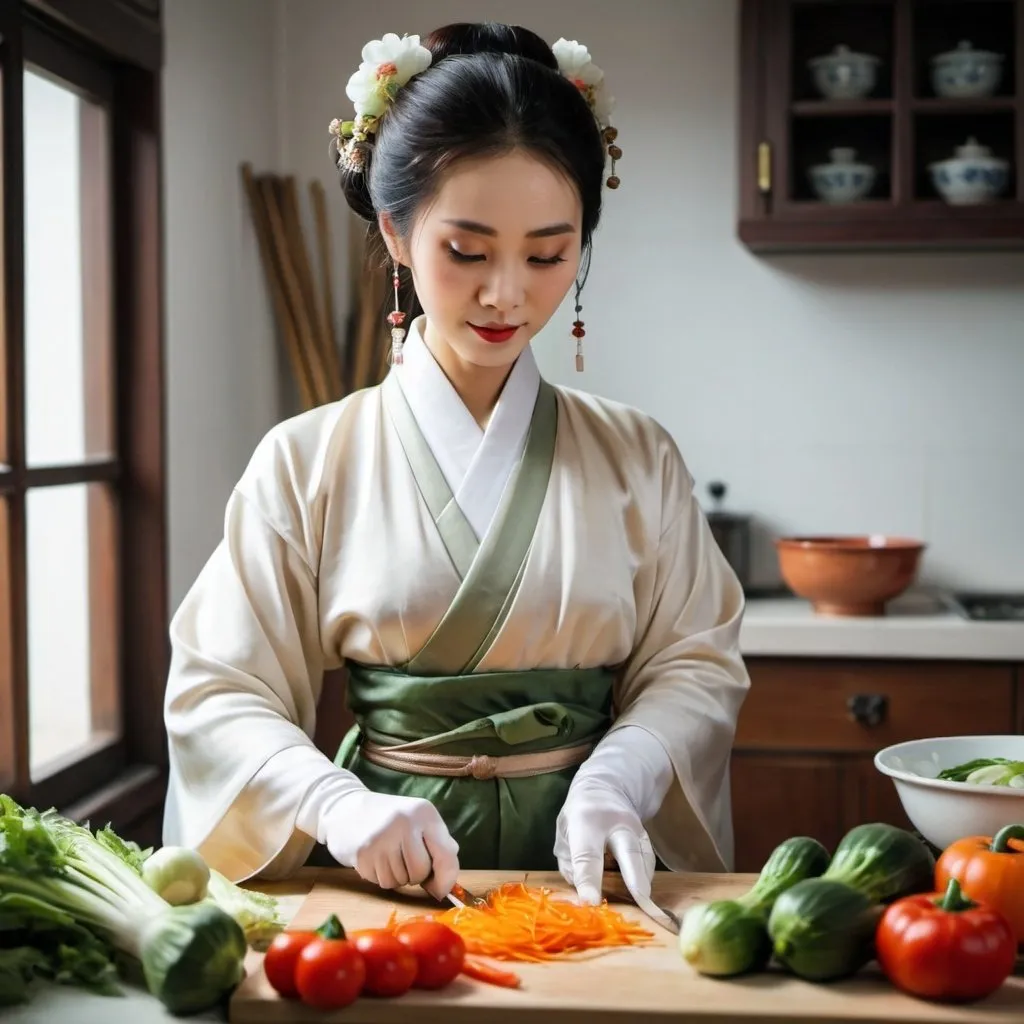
<point>68,364</point>
<point>71,627</point>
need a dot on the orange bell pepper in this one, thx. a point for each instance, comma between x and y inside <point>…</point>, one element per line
<point>990,870</point>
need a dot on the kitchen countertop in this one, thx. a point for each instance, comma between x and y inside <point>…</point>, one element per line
<point>867,998</point>
<point>917,625</point>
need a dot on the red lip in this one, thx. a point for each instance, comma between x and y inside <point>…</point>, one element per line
<point>495,334</point>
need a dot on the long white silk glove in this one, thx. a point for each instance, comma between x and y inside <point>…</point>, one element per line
<point>389,840</point>
<point>621,785</point>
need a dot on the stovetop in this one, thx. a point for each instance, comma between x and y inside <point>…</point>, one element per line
<point>990,607</point>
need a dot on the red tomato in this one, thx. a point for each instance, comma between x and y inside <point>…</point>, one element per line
<point>280,959</point>
<point>944,946</point>
<point>390,965</point>
<point>330,973</point>
<point>440,952</point>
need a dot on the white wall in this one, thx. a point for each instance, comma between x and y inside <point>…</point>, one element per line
<point>224,381</point>
<point>832,393</point>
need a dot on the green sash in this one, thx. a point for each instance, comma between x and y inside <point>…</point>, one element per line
<point>437,699</point>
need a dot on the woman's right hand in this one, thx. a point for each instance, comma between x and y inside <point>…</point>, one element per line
<point>393,841</point>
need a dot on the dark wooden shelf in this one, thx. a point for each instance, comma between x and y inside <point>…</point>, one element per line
<point>900,129</point>
<point>842,108</point>
<point>997,226</point>
<point>982,105</point>
<point>999,208</point>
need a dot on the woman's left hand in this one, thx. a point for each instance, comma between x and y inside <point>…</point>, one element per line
<point>597,816</point>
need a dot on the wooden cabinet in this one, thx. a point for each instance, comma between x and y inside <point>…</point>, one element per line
<point>876,145</point>
<point>776,797</point>
<point>128,30</point>
<point>803,762</point>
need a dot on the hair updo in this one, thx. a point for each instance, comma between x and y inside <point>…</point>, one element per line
<point>490,89</point>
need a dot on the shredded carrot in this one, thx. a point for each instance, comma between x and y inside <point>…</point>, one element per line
<point>527,923</point>
<point>491,975</point>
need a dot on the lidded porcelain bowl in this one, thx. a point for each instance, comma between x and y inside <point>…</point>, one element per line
<point>842,179</point>
<point>972,176</point>
<point>966,72</point>
<point>843,74</point>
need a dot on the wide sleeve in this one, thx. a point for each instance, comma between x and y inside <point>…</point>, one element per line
<point>240,706</point>
<point>685,680</point>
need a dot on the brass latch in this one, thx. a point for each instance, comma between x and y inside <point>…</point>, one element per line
<point>764,167</point>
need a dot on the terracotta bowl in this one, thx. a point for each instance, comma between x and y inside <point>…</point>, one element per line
<point>849,575</point>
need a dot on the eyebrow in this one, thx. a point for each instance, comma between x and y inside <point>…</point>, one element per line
<point>476,228</point>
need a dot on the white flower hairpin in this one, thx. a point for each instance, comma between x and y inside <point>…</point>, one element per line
<point>389,63</point>
<point>575,63</point>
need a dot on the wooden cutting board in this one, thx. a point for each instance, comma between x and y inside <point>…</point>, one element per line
<point>652,983</point>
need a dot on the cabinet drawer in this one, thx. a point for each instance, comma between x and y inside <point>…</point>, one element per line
<point>832,706</point>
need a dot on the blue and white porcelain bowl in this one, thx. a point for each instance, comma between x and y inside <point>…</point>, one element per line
<point>842,179</point>
<point>971,177</point>
<point>965,72</point>
<point>844,75</point>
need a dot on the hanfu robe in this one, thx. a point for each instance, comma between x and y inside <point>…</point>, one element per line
<point>494,593</point>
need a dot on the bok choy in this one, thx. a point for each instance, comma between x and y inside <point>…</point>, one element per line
<point>179,875</point>
<point>69,899</point>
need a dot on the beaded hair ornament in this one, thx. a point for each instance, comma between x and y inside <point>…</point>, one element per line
<point>389,63</point>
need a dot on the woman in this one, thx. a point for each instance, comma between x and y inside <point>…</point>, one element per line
<point>540,632</point>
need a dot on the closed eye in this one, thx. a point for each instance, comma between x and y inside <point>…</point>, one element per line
<point>465,257</point>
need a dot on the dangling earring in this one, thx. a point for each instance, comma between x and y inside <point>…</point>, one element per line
<point>577,331</point>
<point>396,318</point>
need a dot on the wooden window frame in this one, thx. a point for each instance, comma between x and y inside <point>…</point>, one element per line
<point>121,777</point>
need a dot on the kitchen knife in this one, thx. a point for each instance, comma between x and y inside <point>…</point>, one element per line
<point>666,918</point>
<point>459,896</point>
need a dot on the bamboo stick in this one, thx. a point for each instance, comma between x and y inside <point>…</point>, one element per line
<point>364,371</point>
<point>328,334</point>
<point>292,216</point>
<point>293,292</point>
<point>284,319</point>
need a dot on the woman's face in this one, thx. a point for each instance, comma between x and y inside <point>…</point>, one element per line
<point>492,257</point>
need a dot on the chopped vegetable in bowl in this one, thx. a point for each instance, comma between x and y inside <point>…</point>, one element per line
<point>956,786</point>
<point>987,771</point>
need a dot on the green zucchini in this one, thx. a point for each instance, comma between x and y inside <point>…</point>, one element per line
<point>823,930</point>
<point>790,862</point>
<point>728,937</point>
<point>883,862</point>
<point>724,938</point>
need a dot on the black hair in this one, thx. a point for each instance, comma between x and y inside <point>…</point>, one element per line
<point>490,88</point>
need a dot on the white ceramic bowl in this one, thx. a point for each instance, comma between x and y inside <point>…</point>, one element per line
<point>944,812</point>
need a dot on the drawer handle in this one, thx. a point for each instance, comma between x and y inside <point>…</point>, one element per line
<point>868,709</point>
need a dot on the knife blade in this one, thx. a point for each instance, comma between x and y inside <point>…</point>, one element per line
<point>660,915</point>
<point>459,896</point>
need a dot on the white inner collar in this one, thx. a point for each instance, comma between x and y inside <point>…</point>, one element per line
<point>476,463</point>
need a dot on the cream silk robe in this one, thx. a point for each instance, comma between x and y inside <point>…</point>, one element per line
<point>359,529</point>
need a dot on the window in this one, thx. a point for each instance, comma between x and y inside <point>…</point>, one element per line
<point>83,607</point>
